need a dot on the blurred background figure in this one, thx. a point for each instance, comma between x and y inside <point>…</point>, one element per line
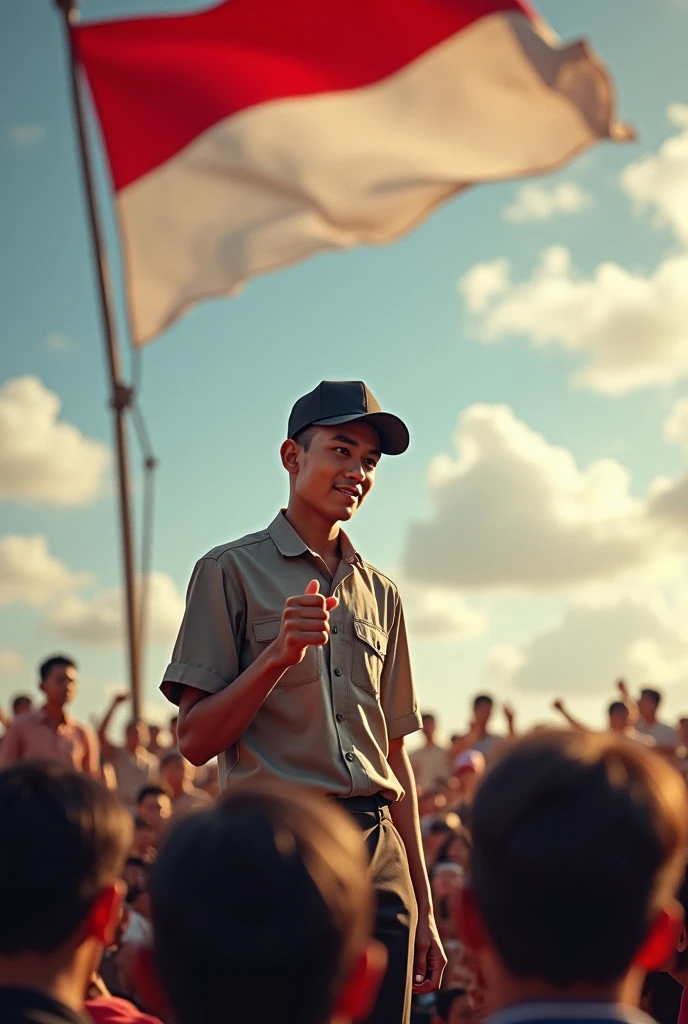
<point>133,765</point>
<point>176,775</point>
<point>431,761</point>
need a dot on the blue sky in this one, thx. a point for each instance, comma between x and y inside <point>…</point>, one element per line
<point>218,386</point>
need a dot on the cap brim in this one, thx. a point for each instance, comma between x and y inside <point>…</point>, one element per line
<point>394,435</point>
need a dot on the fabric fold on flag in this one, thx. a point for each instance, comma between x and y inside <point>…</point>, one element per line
<point>256,133</point>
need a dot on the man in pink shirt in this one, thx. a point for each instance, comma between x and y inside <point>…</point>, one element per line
<point>51,734</point>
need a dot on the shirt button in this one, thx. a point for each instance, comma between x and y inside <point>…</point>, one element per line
<point>340,717</point>
<point>335,629</point>
<point>337,671</point>
<point>349,756</point>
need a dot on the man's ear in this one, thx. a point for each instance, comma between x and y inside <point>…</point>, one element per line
<point>682,942</point>
<point>360,989</point>
<point>468,922</point>
<point>662,939</point>
<point>289,454</point>
<point>104,916</point>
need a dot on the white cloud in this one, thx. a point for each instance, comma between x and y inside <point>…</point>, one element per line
<point>676,423</point>
<point>641,640</point>
<point>99,620</point>
<point>24,135</point>
<point>439,614</point>
<point>660,181</point>
<point>512,511</point>
<point>632,328</point>
<point>537,202</point>
<point>11,662</point>
<point>29,574</point>
<point>42,458</point>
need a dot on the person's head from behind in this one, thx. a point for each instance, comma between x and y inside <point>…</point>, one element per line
<point>153,736</point>
<point>482,710</point>
<point>579,844</point>
<point>22,705</point>
<point>153,805</point>
<point>64,843</point>
<point>136,735</point>
<point>175,772</point>
<point>58,680</point>
<point>429,726</point>
<point>618,717</point>
<point>457,849</point>
<point>278,878</point>
<point>336,435</point>
<point>648,703</point>
<point>454,1006</point>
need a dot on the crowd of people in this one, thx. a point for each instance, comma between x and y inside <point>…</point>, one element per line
<point>102,814</point>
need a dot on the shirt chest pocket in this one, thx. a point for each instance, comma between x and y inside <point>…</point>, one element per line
<point>370,649</point>
<point>307,670</point>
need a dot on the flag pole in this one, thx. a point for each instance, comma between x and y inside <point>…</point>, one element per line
<point>121,395</point>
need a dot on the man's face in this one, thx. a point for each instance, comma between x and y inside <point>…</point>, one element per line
<point>155,809</point>
<point>137,735</point>
<point>646,706</point>
<point>60,685</point>
<point>618,720</point>
<point>483,711</point>
<point>22,707</point>
<point>338,470</point>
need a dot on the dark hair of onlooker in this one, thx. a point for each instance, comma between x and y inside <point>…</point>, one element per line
<point>57,661</point>
<point>482,699</point>
<point>20,701</point>
<point>463,836</point>
<point>578,841</point>
<point>64,839</point>
<point>445,999</point>
<point>428,716</point>
<point>653,695</point>
<point>171,756</point>
<point>616,707</point>
<point>279,882</point>
<point>151,790</point>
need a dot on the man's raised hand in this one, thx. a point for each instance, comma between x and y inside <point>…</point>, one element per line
<point>305,623</point>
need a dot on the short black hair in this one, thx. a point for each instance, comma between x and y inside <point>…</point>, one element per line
<point>616,706</point>
<point>21,698</point>
<point>654,695</point>
<point>171,755</point>
<point>578,840</point>
<point>150,791</point>
<point>305,436</point>
<point>56,661</point>
<point>64,838</point>
<point>482,698</point>
<point>279,881</point>
<point>428,716</point>
<point>445,1000</point>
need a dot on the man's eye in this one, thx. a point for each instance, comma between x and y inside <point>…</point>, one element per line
<point>371,463</point>
<point>343,451</point>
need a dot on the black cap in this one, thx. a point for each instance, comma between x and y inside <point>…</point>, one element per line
<point>342,401</point>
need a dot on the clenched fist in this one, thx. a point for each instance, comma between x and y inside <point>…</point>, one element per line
<point>305,623</point>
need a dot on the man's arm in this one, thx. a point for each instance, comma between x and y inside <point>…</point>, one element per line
<point>105,745</point>
<point>573,722</point>
<point>430,960</point>
<point>510,716</point>
<point>209,723</point>
<point>11,746</point>
<point>633,713</point>
<point>91,760</point>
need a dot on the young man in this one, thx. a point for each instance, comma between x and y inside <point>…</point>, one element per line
<point>64,843</point>
<point>619,722</point>
<point>133,765</point>
<point>154,807</point>
<point>292,663</point>
<point>430,762</point>
<point>579,846</point>
<point>175,775</point>
<point>262,912</point>
<point>649,725</point>
<point>479,736</point>
<point>51,734</point>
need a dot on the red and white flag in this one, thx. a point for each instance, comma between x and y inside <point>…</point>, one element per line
<point>258,132</point>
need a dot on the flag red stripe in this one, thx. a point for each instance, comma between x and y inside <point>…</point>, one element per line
<point>160,82</point>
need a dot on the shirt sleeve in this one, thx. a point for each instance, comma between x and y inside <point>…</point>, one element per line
<point>206,654</point>
<point>11,746</point>
<point>397,695</point>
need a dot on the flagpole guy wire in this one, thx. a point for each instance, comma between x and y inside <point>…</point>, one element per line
<point>121,397</point>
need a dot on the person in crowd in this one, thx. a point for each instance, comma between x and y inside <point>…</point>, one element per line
<point>174,739</point>
<point>64,842</point>
<point>435,831</point>
<point>647,723</point>
<point>145,840</point>
<point>682,748</point>
<point>469,769</point>
<point>479,736</point>
<point>134,766</point>
<point>430,762</point>
<point>50,734</point>
<point>155,747</point>
<point>279,876</point>
<point>454,1006</point>
<point>175,775</point>
<point>456,849</point>
<point>292,662</point>
<point>154,807</point>
<point>21,705</point>
<point>559,915</point>
<point>619,722</point>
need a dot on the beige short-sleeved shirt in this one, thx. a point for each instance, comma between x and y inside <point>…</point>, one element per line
<point>133,771</point>
<point>33,736</point>
<point>328,721</point>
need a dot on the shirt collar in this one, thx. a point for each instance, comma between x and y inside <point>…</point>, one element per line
<point>289,544</point>
<point>568,1010</point>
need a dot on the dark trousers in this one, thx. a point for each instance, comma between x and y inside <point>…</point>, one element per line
<point>396,911</point>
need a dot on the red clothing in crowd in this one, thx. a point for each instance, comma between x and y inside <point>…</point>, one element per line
<point>111,1010</point>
